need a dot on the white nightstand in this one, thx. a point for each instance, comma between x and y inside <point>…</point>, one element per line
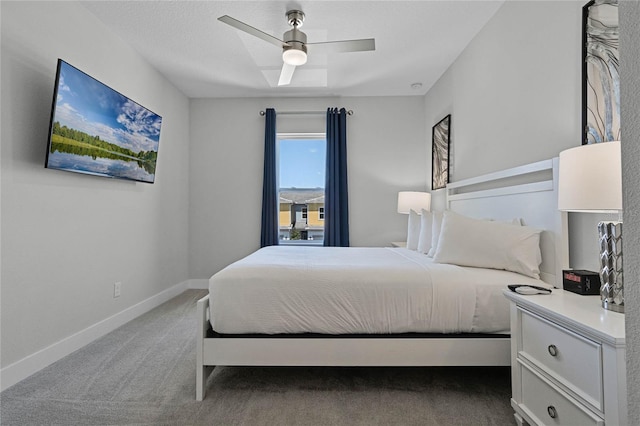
<point>401,244</point>
<point>567,360</point>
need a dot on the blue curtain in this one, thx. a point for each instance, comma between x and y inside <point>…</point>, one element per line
<point>269,233</point>
<point>336,219</point>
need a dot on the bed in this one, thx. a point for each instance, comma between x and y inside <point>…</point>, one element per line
<point>349,311</point>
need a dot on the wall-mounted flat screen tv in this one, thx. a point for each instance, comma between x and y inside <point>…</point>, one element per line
<point>98,131</point>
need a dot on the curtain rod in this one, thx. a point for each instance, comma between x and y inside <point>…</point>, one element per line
<point>349,112</point>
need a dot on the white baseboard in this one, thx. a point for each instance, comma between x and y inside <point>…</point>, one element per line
<point>20,370</point>
<point>198,284</point>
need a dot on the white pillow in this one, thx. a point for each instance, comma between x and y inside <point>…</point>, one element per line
<point>413,230</point>
<point>436,224</point>
<point>471,242</point>
<point>424,241</point>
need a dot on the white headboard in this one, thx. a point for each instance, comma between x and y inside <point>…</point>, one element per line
<point>529,192</point>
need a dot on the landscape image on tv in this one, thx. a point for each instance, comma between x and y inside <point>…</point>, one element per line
<point>96,130</point>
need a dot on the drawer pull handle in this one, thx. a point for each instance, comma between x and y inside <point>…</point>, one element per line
<point>551,410</point>
<point>553,350</point>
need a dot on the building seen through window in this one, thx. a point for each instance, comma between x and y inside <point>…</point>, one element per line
<point>301,176</point>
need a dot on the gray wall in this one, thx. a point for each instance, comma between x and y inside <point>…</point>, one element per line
<point>514,92</point>
<point>386,150</point>
<point>66,238</point>
<point>515,98</point>
<point>630,98</point>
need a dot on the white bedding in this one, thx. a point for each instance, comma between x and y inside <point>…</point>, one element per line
<point>336,290</point>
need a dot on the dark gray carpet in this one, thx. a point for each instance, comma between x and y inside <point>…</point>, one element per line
<point>144,373</point>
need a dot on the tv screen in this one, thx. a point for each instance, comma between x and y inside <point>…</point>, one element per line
<point>96,130</point>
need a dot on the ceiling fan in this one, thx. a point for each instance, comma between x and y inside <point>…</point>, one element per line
<point>294,43</point>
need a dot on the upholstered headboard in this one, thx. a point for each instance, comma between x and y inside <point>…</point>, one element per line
<point>529,192</point>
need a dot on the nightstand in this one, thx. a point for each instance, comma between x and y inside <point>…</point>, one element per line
<point>401,244</point>
<point>567,360</point>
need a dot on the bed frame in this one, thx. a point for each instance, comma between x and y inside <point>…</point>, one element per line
<point>528,192</point>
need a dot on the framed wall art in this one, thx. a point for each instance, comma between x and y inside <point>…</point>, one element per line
<point>440,153</point>
<point>600,72</point>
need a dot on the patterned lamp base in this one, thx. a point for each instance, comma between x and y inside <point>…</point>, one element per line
<point>612,288</point>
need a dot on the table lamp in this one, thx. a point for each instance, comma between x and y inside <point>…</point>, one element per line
<point>590,180</point>
<point>413,200</point>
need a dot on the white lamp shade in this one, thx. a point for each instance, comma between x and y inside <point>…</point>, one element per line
<point>412,200</point>
<point>294,57</point>
<point>590,178</point>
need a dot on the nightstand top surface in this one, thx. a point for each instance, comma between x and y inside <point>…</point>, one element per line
<point>581,312</point>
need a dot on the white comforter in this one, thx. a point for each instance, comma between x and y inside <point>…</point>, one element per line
<point>333,290</point>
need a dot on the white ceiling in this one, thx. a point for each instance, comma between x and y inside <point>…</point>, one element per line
<point>416,41</point>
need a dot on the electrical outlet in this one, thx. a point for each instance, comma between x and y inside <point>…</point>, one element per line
<point>116,289</point>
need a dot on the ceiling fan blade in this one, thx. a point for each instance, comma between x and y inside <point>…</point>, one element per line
<point>286,74</point>
<point>360,45</point>
<point>251,30</point>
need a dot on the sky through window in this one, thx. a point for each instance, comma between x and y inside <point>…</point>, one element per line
<point>302,163</point>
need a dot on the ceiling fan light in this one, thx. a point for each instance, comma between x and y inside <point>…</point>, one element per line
<point>294,57</point>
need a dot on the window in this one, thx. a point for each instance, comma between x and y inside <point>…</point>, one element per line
<point>301,179</point>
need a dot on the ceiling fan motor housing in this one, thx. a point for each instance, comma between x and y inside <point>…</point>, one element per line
<point>295,39</point>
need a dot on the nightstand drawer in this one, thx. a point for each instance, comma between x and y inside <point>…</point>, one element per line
<point>573,360</point>
<point>548,406</point>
